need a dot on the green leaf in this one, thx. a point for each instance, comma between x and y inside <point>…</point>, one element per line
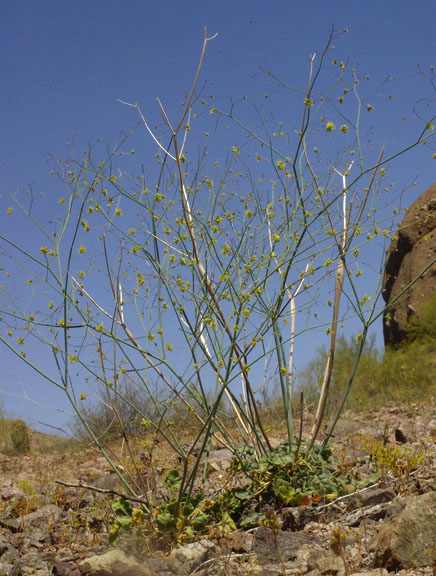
<point>199,522</point>
<point>122,507</point>
<point>166,521</point>
<point>284,489</point>
<point>173,481</point>
<point>253,519</point>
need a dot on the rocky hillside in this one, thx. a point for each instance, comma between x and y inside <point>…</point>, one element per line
<point>48,527</point>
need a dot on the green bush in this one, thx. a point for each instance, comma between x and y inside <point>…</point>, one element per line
<point>20,437</point>
<point>422,326</point>
<point>366,382</point>
<point>393,375</point>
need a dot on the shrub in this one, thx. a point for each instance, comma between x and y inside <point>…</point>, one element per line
<point>116,412</point>
<point>393,375</point>
<point>422,326</point>
<point>20,437</point>
<point>366,384</point>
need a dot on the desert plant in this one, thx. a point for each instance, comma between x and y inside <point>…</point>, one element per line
<point>366,385</point>
<point>213,268</point>
<point>400,461</point>
<point>382,375</point>
<point>20,436</point>
<point>110,418</point>
<point>422,326</point>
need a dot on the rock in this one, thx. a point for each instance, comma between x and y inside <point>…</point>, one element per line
<point>375,496</point>
<point>375,572</point>
<point>409,534</point>
<point>281,547</point>
<point>270,571</point>
<point>186,559</point>
<point>431,427</point>
<point>113,563</point>
<point>32,559</point>
<point>413,248</point>
<point>65,569</point>
<point>12,524</point>
<point>15,571</point>
<point>325,561</point>
<point>12,492</point>
<point>355,517</point>
<point>296,518</point>
<point>400,436</point>
<point>220,459</point>
<point>41,518</point>
<point>9,554</point>
<point>240,542</point>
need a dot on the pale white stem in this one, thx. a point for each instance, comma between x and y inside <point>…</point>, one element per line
<point>292,312</point>
<point>144,121</point>
<point>120,303</point>
<point>344,200</point>
<point>165,115</point>
<point>339,283</point>
<point>186,132</point>
<point>291,344</point>
<point>94,302</point>
<point>167,244</point>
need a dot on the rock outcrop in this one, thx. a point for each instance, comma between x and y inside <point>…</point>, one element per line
<point>408,536</point>
<point>412,250</point>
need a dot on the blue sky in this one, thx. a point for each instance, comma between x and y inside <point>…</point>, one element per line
<point>65,64</point>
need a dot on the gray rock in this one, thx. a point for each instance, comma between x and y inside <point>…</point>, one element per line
<point>313,558</point>
<point>10,555</point>
<point>65,569</point>
<point>113,563</point>
<point>240,542</point>
<point>296,518</point>
<point>281,547</point>
<point>375,572</point>
<point>219,460</point>
<point>32,559</point>
<point>186,559</point>
<point>409,534</point>
<point>431,427</point>
<point>12,524</point>
<point>326,563</point>
<point>15,570</point>
<point>375,496</point>
<point>270,571</point>
<point>5,567</point>
<point>41,518</point>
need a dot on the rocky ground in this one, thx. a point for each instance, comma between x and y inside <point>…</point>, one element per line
<point>49,528</point>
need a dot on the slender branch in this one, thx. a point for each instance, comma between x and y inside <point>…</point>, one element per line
<point>103,491</point>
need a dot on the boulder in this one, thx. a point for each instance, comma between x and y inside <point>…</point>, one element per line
<point>407,538</point>
<point>113,563</point>
<point>412,249</point>
<point>187,559</point>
